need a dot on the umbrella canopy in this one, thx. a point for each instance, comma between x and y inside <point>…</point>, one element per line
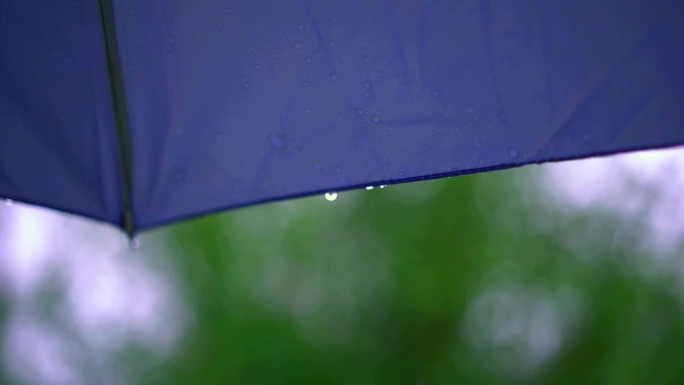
<point>143,112</point>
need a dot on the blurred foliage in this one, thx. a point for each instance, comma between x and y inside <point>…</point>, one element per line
<point>464,280</point>
<point>475,279</point>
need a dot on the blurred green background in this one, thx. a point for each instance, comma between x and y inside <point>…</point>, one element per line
<point>559,274</point>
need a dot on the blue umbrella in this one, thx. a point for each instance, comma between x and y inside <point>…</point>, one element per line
<point>139,113</point>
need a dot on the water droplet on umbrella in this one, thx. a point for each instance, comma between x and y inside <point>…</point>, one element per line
<point>317,166</point>
<point>134,243</point>
<point>367,84</point>
<point>503,118</point>
<point>361,111</point>
<point>333,76</point>
<point>276,139</point>
<point>338,170</point>
<point>297,44</point>
<point>513,152</point>
<point>307,60</point>
<point>300,26</point>
<point>331,196</point>
<point>171,39</point>
<point>376,118</point>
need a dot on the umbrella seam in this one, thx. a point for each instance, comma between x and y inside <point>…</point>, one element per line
<point>120,112</point>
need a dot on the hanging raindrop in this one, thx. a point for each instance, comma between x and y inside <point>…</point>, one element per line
<point>276,139</point>
<point>134,244</point>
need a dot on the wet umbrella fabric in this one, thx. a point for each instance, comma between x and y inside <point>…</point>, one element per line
<point>139,113</point>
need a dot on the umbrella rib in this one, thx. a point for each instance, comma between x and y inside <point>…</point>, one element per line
<point>120,113</point>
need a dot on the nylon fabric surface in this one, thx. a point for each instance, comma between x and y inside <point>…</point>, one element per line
<point>236,103</point>
<point>57,138</point>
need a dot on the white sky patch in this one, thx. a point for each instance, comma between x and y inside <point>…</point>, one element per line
<point>111,297</point>
<point>24,255</point>
<point>646,187</point>
<point>517,328</point>
<point>38,354</point>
